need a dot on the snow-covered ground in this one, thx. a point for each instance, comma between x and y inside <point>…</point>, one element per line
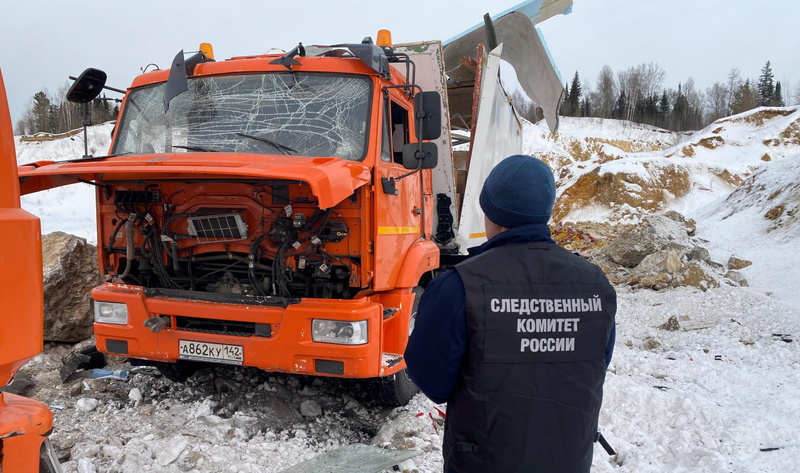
<point>720,394</point>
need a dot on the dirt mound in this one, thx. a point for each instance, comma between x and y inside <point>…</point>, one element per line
<point>759,116</point>
<point>625,193</point>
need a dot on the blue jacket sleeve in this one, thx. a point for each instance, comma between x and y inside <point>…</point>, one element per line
<point>438,342</point>
<point>612,337</point>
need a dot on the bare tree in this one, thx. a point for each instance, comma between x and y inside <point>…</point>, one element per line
<point>607,92</point>
<point>630,81</point>
<point>717,97</point>
<point>734,83</point>
<point>796,96</point>
<point>652,77</point>
<point>70,114</point>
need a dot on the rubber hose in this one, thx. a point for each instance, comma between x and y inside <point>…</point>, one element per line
<point>131,250</point>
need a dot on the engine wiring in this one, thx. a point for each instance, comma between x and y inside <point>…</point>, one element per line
<point>267,270</point>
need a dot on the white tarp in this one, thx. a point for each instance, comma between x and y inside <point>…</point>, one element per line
<point>498,134</point>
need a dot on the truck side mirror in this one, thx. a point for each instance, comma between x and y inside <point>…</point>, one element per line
<point>428,115</point>
<point>413,153</point>
<point>87,86</point>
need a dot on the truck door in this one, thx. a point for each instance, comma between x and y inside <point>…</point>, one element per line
<point>398,216</point>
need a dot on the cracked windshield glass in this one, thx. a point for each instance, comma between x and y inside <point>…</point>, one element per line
<point>316,115</point>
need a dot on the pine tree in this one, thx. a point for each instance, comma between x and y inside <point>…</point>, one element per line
<point>745,98</point>
<point>777,99</point>
<point>52,121</point>
<point>564,111</point>
<point>766,88</point>
<point>575,96</point>
<point>663,109</point>
<point>621,106</point>
<point>41,112</point>
<point>680,111</point>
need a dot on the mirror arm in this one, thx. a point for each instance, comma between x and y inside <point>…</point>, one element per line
<point>112,89</point>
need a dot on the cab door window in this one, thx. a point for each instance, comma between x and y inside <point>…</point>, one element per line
<point>395,132</point>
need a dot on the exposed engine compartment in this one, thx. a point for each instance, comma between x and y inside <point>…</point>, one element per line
<point>230,241</point>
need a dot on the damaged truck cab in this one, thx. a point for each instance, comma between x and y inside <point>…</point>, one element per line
<point>271,211</point>
<point>280,211</point>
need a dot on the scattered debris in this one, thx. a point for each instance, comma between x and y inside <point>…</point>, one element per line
<point>671,325</point>
<point>784,337</point>
<point>81,359</point>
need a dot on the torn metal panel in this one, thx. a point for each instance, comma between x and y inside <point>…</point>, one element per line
<point>525,50</point>
<point>497,135</point>
<point>537,10</point>
<point>429,62</point>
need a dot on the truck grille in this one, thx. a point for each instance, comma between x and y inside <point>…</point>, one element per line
<point>223,327</point>
<point>216,228</point>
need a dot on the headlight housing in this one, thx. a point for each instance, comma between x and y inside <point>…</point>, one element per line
<point>110,313</point>
<point>339,332</point>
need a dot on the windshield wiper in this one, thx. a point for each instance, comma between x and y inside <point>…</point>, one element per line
<point>94,158</point>
<point>195,148</point>
<point>282,148</point>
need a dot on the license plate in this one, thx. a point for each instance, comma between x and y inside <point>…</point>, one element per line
<point>216,352</point>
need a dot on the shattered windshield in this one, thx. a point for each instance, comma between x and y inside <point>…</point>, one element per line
<point>317,115</point>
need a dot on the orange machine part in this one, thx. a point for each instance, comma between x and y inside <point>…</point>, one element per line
<point>21,302</point>
<point>24,423</point>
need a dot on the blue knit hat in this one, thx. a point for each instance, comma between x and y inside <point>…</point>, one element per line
<point>519,190</point>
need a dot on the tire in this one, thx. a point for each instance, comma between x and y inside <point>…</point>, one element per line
<point>398,389</point>
<point>177,372</point>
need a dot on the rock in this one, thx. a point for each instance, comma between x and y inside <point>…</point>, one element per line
<point>690,224</point>
<point>698,253</point>
<point>70,273</point>
<point>76,389</point>
<point>310,408</point>
<point>651,344</point>
<point>87,404</point>
<point>655,233</point>
<point>699,275</point>
<point>671,325</point>
<point>135,395</point>
<point>737,277</point>
<point>657,271</point>
<point>737,263</point>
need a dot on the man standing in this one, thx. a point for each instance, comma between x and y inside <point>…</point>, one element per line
<point>517,338</point>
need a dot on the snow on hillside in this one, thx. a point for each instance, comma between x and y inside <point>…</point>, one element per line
<point>717,395</point>
<point>760,221</point>
<point>626,182</point>
<point>68,209</point>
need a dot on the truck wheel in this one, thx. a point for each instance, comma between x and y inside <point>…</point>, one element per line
<point>398,389</point>
<point>177,372</point>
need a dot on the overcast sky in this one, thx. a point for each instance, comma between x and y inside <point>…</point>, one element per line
<point>44,41</point>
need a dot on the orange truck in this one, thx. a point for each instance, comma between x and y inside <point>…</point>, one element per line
<point>25,424</point>
<point>280,211</point>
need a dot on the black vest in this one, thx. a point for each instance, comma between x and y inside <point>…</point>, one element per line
<point>531,382</point>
